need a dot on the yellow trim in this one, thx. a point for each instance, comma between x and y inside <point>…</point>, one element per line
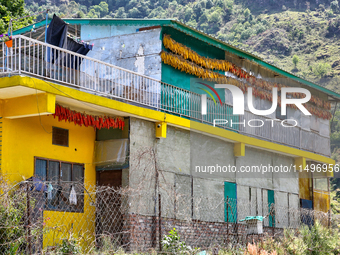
<point>239,149</point>
<point>1,106</point>
<point>29,106</point>
<point>161,129</point>
<point>157,116</point>
<point>300,161</point>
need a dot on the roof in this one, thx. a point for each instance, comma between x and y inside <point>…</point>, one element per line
<point>196,34</point>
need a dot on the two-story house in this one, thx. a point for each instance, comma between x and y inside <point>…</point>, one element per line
<point>69,117</point>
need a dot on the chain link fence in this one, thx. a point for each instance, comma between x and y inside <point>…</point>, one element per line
<point>37,217</point>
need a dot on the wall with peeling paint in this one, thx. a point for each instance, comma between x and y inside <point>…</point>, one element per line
<point>138,51</point>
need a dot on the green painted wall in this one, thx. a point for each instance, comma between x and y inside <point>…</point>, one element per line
<point>183,80</point>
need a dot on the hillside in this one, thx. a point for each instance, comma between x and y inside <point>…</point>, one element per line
<point>301,37</point>
<point>274,31</point>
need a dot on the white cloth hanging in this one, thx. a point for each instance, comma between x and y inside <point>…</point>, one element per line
<point>49,191</point>
<point>73,196</point>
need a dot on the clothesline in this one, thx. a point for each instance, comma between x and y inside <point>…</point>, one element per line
<point>78,39</point>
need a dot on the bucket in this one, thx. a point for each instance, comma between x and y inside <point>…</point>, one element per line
<point>9,43</point>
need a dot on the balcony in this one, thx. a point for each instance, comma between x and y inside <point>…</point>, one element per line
<point>37,59</point>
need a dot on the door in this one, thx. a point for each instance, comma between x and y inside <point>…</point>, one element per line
<point>230,205</point>
<point>109,217</point>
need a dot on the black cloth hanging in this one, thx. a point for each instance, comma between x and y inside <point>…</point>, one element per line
<point>57,32</point>
<point>56,35</point>
<point>80,48</point>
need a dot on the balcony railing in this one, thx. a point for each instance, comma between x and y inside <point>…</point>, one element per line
<point>38,59</point>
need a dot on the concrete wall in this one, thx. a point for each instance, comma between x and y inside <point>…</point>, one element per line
<point>138,51</point>
<point>187,194</point>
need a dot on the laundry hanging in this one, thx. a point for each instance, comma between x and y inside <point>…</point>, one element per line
<point>56,35</point>
<point>80,48</point>
<point>49,191</point>
<point>73,197</point>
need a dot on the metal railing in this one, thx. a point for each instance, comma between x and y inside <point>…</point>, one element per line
<point>38,59</point>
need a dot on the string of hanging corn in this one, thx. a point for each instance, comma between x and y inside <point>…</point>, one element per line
<point>188,67</point>
<point>223,65</point>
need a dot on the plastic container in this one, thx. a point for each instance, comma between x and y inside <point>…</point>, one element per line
<point>9,43</point>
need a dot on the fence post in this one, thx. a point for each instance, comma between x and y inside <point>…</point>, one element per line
<point>19,56</point>
<point>160,221</point>
<point>28,219</point>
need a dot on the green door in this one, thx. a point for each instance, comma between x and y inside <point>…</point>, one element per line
<point>271,203</point>
<point>230,202</point>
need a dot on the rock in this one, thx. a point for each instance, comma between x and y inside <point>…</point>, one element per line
<point>274,39</point>
<point>336,63</point>
<point>323,56</point>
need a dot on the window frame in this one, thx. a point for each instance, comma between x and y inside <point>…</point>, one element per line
<point>59,179</point>
<point>68,136</point>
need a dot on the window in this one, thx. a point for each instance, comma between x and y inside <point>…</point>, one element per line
<point>65,178</point>
<point>60,136</point>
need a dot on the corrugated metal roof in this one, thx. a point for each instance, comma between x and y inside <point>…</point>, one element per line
<point>197,34</point>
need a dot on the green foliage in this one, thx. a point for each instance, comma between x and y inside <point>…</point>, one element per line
<point>335,6</point>
<point>173,245</point>
<point>321,69</point>
<point>318,240</point>
<point>13,9</point>
<point>12,232</point>
<point>333,28</point>
<point>295,60</point>
<point>69,246</point>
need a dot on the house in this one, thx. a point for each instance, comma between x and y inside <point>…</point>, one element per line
<point>129,114</point>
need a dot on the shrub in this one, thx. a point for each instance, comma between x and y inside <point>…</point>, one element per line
<point>173,245</point>
<point>315,240</point>
<point>322,69</point>
<point>295,60</point>
<point>70,246</point>
<point>12,212</point>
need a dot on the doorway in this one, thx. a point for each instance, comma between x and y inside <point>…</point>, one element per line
<point>109,215</point>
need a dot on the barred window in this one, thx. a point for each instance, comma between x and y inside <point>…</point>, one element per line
<point>64,178</point>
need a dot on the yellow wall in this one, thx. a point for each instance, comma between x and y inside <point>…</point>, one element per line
<point>26,138</point>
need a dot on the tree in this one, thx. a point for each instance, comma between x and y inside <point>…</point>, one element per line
<point>105,9</point>
<point>120,14</point>
<point>13,9</point>
<point>295,60</point>
<point>335,6</point>
<point>321,69</point>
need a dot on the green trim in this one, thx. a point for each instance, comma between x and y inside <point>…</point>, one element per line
<point>120,22</point>
<point>29,28</point>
